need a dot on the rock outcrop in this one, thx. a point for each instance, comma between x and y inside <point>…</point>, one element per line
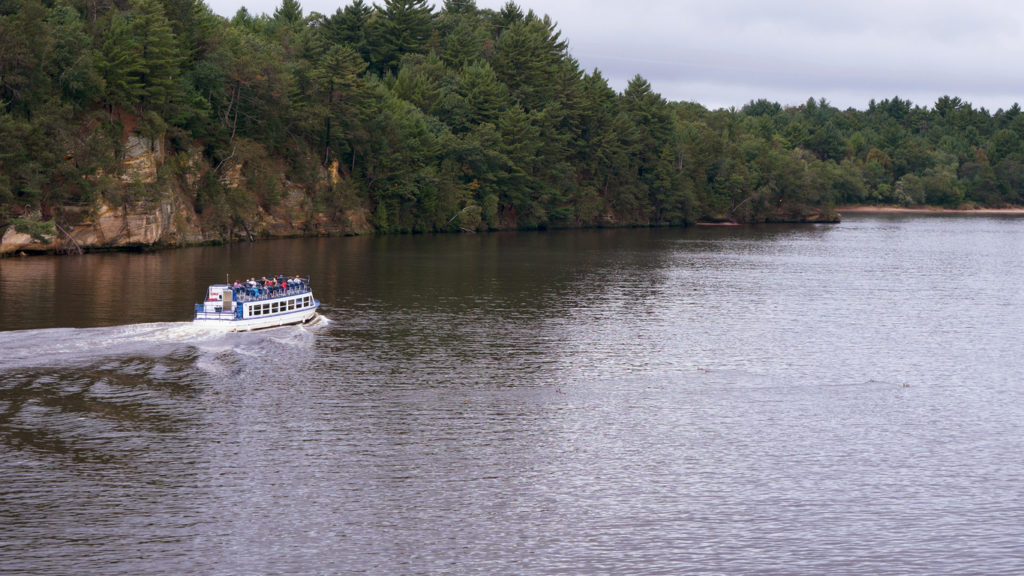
<point>165,222</point>
<point>14,242</point>
<point>147,209</point>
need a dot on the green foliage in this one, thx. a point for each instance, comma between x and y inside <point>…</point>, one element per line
<point>403,27</point>
<point>159,54</point>
<point>459,119</point>
<point>39,231</point>
<point>290,11</point>
<point>120,65</point>
<point>528,54</point>
<point>26,41</point>
<point>350,26</point>
<point>73,60</point>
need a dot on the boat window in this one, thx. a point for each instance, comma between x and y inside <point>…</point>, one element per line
<point>274,308</point>
<point>266,308</point>
<point>291,304</point>
<point>254,310</point>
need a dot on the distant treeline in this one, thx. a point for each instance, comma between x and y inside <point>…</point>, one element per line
<point>430,119</point>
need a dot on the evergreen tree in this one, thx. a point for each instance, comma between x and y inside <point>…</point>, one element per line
<point>405,28</point>
<point>121,65</point>
<point>289,12</point>
<point>73,61</point>
<point>339,89</point>
<point>26,41</point>
<point>160,58</point>
<point>528,55</point>
<point>350,26</point>
<point>483,96</point>
<point>466,42</point>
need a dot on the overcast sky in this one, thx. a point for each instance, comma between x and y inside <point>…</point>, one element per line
<point>724,53</point>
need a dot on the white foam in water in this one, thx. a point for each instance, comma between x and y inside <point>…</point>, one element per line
<point>78,346</point>
<point>71,346</point>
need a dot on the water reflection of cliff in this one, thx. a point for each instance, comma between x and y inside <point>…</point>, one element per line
<point>91,290</point>
<point>526,276</point>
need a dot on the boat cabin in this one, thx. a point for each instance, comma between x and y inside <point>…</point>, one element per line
<point>256,305</point>
<point>219,298</point>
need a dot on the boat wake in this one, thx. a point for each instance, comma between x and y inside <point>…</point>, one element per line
<point>69,347</point>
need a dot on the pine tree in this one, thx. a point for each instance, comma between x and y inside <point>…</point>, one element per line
<point>25,42</point>
<point>72,61</point>
<point>160,57</point>
<point>290,12</point>
<point>528,55</point>
<point>405,27</point>
<point>121,65</point>
<point>339,90</point>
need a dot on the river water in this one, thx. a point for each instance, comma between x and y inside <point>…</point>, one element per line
<point>839,399</point>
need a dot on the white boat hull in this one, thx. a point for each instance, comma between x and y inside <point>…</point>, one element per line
<point>231,324</point>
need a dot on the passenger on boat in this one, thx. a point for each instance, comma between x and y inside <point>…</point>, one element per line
<point>266,287</point>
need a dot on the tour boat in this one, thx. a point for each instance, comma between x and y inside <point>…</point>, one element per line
<point>257,304</point>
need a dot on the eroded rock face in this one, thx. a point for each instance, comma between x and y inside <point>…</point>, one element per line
<point>167,222</point>
<point>167,217</point>
<point>13,242</point>
<point>142,157</point>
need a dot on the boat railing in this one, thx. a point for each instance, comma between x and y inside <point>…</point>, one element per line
<point>200,313</point>
<point>251,294</point>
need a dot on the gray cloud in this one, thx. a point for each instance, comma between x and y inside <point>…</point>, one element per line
<point>728,52</point>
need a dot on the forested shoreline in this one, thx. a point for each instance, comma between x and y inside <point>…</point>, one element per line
<point>411,117</point>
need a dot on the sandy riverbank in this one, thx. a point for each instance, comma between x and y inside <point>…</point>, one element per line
<point>925,210</point>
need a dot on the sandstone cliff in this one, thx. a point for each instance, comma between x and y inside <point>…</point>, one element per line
<point>143,207</point>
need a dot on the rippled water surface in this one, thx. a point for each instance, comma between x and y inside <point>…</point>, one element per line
<point>807,400</point>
